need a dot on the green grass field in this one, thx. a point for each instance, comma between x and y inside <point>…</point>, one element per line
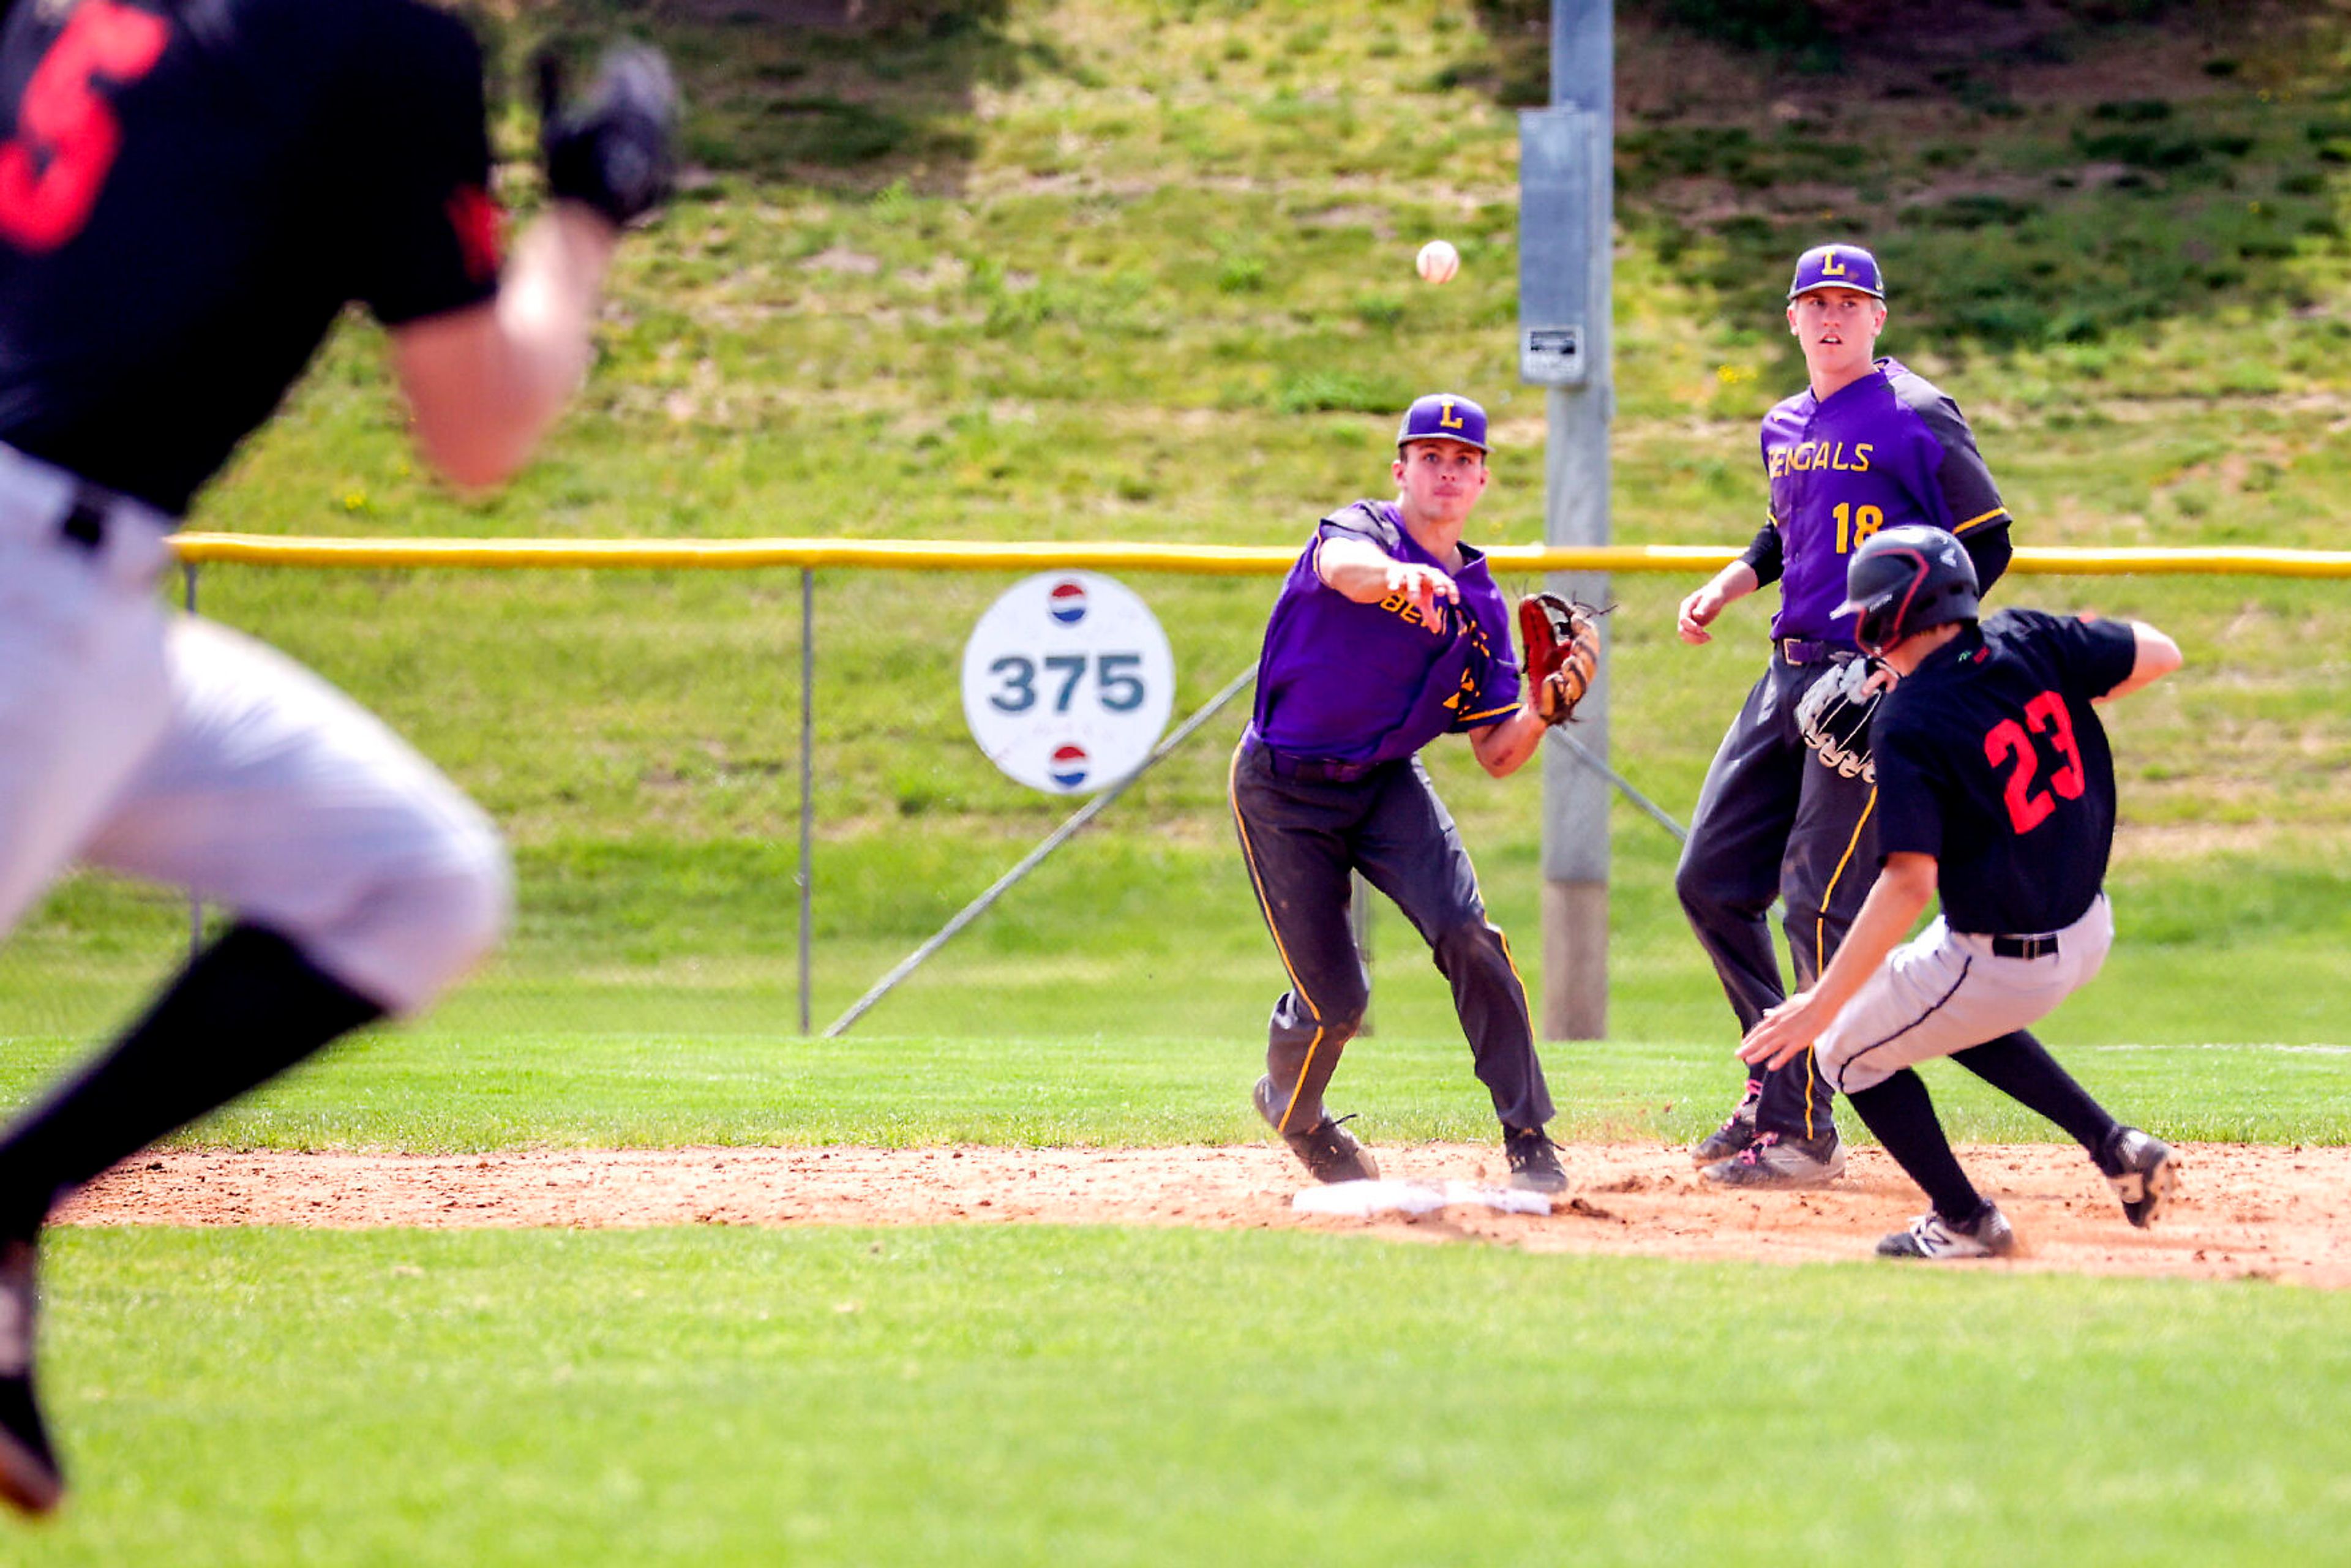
<point>429,1091</point>
<point>1031,1395</point>
<point>1028,1393</point>
<point>1140,270</point>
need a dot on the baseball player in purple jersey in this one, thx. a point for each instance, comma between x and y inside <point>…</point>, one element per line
<point>1388,633</point>
<point>1789,804</point>
<point>190,193</point>
<point>1997,791</point>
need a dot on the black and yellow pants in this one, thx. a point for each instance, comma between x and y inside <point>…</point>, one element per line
<point>1302,833</point>
<point>1772,822</point>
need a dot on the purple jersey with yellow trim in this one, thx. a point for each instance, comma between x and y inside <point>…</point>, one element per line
<point>1890,448</point>
<point>1344,682</point>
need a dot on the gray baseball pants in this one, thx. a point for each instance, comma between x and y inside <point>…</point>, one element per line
<point>1301,837</point>
<point>179,751</point>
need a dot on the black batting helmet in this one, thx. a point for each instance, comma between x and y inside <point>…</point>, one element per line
<point>1905,581</point>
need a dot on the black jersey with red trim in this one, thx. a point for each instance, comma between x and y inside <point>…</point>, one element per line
<point>1990,758</point>
<point>191,191</point>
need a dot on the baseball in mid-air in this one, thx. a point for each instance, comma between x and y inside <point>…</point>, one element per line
<point>1439,260</point>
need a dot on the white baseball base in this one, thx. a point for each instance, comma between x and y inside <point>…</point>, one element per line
<point>1361,1199</point>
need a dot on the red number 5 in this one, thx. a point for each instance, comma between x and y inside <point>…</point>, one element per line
<point>67,136</point>
<point>2029,808</point>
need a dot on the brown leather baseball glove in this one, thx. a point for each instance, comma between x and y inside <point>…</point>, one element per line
<point>1561,642</point>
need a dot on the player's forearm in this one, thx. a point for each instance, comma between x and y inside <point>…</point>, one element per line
<point>487,384</point>
<point>1896,900</point>
<point>1503,748</point>
<point>1358,570</point>
<point>2157,656</point>
<point>1736,580</point>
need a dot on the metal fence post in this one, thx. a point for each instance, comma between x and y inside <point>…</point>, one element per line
<point>807,773</point>
<point>1566,203</point>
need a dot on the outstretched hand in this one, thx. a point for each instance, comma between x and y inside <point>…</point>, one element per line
<point>1786,1033</point>
<point>1698,612</point>
<point>1424,586</point>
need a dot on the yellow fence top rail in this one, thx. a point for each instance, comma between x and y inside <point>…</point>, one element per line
<point>1224,560</point>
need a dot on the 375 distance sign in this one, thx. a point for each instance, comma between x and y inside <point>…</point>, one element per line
<point>1067,682</point>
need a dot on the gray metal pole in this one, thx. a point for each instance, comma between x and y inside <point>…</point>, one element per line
<point>1566,227</point>
<point>1036,857</point>
<point>808,774</point>
<point>195,901</point>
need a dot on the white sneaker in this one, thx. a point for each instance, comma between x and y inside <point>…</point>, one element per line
<point>1937,1240</point>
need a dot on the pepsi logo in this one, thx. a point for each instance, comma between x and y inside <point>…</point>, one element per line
<point>1067,602</point>
<point>1070,762</point>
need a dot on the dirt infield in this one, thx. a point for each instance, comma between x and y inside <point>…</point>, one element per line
<point>2247,1210</point>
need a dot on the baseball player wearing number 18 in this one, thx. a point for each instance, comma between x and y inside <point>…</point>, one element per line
<point>1788,807</point>
<point>1388,633</point>
<point>191,192</point>
<point>1998,792</point>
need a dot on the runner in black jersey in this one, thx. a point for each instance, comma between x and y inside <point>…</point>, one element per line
<point>190,193</point>
<point>1995,788</point>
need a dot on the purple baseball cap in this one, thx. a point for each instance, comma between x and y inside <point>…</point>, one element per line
<point>1442,416</point>
<point>1837,267</point>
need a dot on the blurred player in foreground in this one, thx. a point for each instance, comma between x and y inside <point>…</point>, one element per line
<point>190,194</point>
<point>1388,633</point>
<point>1788,807</point>
<point>1995,788</point>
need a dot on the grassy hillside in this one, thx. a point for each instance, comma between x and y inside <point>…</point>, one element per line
<point>1142,271</point>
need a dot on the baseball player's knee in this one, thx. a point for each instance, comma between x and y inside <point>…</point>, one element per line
<point>1470,947</point>
<point>1705,892</point>
<point>1331,1011</point>
<point>1691,884</point>
<point>416,925</point>
<point>1340,1014</point>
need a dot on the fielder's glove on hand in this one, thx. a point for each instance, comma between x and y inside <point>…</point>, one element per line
<point>1562,648</point>
<point>612,149</point>
<point>1834,715</point>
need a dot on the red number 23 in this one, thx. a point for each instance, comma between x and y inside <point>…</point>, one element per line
<point>67,135</point>
<point>2029,808</point>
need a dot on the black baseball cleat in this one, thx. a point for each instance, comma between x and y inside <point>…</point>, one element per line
<point>1941,1240</point>
<point>2143,1173</point>
<point>1328,1150</point>
<point>1332,1152</point>
<point>29,1477</point>
<point>1774,1162</point>
<point>1729,1141</point>
<point>1535,1160</point>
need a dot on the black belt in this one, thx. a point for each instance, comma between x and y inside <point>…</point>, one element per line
<point>1312,769</point>
<point>1804,651</point>
<point>2025,946</point>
